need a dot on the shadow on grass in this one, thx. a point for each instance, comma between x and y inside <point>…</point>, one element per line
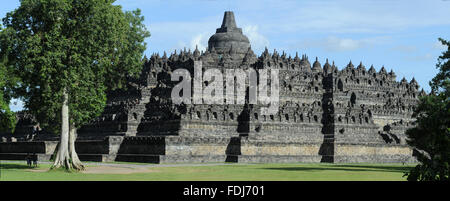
<point>384,168</point>
<point>14,166</point>
<point>357,168</point>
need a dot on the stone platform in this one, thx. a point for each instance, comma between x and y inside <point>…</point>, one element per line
<point>325,113</point>
<point>176,149</point>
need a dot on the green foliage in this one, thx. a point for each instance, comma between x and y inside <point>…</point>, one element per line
<point>84,46</point>
<point>7,117</point>
<point>442,79</point>
<point>431,136</point>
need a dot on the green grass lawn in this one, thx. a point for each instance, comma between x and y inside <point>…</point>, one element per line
<point>238,172</point>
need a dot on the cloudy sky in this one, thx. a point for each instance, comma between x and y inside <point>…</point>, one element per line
<point>398,34</point>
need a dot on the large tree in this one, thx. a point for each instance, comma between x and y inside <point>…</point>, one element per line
<point>68,54</point>
<point>7,117</point>
<point>431,136</point>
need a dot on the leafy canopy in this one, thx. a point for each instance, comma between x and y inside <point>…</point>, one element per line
<point>431,136</point>
<point>7,117</point>
<point>84,46</point>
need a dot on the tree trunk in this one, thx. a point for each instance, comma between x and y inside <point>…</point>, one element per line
<point>76,163</point>
<point>62,157</point>
<point>67,156</point>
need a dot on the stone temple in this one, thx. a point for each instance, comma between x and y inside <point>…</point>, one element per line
<point>325,114</point>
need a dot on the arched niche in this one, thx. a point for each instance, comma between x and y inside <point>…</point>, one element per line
<point>340,85</point>
<point>353,99</point>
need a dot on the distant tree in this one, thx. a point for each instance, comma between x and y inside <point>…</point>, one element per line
<point>431,136</point>
<point>68,54</point>
<point>7,117</point>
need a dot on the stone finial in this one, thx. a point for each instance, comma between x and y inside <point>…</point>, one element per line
<point>327,67</point>
<point>361,67</point>
<point>266,52</point>
<point>413,81</point>
<point>196,51</point>
<point>249,55</point>
<point>350,65</point>
<point>372,69</point>
<point>296,58</point>
<point>275,54</point>
<point>317,67</point>
<point>392,72</point>
<point>305,63</point>
<point>383,70</point>
<point>404,80</point>
<point>228,20</point>
<point>173,56</point>
<point>422,93</point>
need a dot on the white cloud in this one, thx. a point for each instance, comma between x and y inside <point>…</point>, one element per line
<point>170,36</point>
<point>200,41</point>
<point>337,44</point>
<point>425,57</point>
<point>257,40</point>
<point>438,46</point>
<point>343,44</point>
<point>405,48</point>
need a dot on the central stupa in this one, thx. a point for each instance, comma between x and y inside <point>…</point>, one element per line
<point>229,37</point>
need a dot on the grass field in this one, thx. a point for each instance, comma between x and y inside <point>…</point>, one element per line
<point>212,172</point>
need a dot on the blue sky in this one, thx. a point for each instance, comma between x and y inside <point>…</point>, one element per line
<point>398,34</point>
